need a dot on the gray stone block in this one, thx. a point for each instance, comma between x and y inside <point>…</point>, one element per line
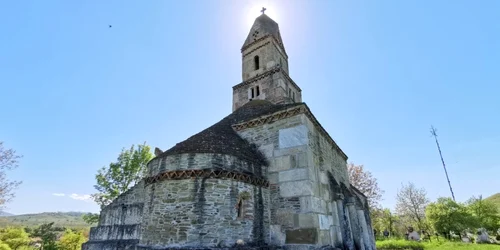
<point>296,188</point>
<point>294,175</point>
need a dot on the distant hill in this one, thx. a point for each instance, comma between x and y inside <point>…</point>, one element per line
<point>5,214</point>
<point>495,198</point>
<point>60,219</point>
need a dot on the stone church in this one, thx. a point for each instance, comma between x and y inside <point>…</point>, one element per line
<point>267,176</point>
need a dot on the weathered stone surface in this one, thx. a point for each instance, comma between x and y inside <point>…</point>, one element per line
<point>294,175</point>
<point>297,188</point>
<point>293,137</point>
<point>325,221</point>
<point>281,163</point>
<point>302,236</point>
<point>313,204</point>
<point>306,221</point>
<point>278,237</point>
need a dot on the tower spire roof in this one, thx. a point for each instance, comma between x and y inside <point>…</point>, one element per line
<point>263,26</point>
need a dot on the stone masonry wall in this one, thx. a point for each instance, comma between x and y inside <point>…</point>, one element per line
<point>274,87</point>
<point>119,223</point>
<point>126,209</point>
<point>301,199</point>
<point>269,54</point>
<point>203,212</point>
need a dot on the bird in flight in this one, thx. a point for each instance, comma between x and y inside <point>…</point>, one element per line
<point>110,26</point>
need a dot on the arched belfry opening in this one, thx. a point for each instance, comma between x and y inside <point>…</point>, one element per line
<point>256,62</point>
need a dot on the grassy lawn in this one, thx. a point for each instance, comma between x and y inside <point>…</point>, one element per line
<point>443,245</point>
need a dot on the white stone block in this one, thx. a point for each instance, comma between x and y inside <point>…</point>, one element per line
<point>293,137</point>
<point>295,188</point>
<point>325,221</point>
<point>294,175</point>
<point>323,178</point>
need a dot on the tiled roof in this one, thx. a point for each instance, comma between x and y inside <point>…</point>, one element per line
<point>220,138</point>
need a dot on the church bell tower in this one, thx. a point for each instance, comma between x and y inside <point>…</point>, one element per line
<point>265,67</point>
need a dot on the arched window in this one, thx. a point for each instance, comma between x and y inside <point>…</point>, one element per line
<point>256,62</point>
<point>240,208</point>
<point>257,90</point>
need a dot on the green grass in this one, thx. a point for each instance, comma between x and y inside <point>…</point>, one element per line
<point>60,219</point>
<point>434,245</point>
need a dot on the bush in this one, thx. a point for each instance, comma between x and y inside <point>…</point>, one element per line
<point>4,246</point>
<point>400,244</point>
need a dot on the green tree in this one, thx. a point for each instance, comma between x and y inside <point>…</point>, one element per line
<point>485,212</point>
<point>71,240</point>
<point>446,215</point>
<point>9,160</point>
<point>15,238</point>
<point>90,218</point>
<point>411,202</point>
<point>129,169</point>
<point>384,219</point>
<point>48,235</point>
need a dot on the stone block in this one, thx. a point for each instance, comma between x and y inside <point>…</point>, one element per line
<point>285,218</point>
<point>267,150</point>
<point>323,178</point>
<point>311,204</point>
<point>324,237</point>
<point>302,236</point>
<point>277,236</point>
<point>301,159</point>
<point>280,163</point>
<point>293,137</point>
<point>290,151</point>
<point>294,175</point>
<point>325,221</point>
<point>273,178</point>
<point>296,188</point>
<point>306,221</point>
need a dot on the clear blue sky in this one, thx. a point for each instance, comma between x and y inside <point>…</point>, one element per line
<point>376,74</point>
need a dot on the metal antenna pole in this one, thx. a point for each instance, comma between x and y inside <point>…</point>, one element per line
<point>433,132</point>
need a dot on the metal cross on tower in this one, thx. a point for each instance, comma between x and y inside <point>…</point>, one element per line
<point>263,10</point>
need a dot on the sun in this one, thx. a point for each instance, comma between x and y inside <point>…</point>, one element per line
<point>255,8</point>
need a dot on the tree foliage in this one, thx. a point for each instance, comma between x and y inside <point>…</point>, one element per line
<point>446,215</point>
<point>411,203</point>
<point>4,246</point>
<point>384,219</point>
<point>48,235</point>
<point>364,181</point>
<point>129,169</point>
<point>9,160</point>
<point>485,213</point>
<point>15,238</point>
<point>91,218</point>
<point>71,241</point>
